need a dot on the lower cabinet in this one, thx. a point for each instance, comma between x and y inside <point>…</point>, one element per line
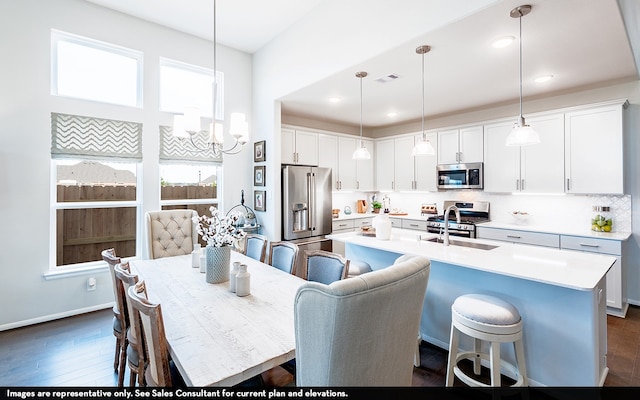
<point>616,288</point>
<point>347,225</point>
<point>517,236</point>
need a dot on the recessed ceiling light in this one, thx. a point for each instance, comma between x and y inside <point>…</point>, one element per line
<point>544,78</point>
<point>335,99</point>
<point>392,114</point>
<point>502,42</point>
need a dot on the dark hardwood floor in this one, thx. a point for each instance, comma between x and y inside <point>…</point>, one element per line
<point>79,351</point>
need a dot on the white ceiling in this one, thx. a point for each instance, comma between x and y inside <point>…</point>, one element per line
<point>582,43</point>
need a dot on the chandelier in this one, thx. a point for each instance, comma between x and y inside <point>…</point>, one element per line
<point>188,126</point>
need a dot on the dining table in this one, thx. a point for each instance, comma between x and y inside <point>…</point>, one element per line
<point>215,337</point>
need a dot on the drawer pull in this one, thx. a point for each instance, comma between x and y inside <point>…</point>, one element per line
<point>341,225</point>
<point>595,246</point>
<point>514,237</point>
<point>414,225</point>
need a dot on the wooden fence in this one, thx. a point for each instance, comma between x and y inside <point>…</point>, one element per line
<point>83,233</point>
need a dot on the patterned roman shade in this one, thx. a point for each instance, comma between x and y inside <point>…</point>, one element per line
<point>174,149</point>
<point>75,136</point>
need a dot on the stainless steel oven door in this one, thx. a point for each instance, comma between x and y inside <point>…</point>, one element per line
<point>452,232</point>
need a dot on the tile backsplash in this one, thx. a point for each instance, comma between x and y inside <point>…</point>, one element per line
<point>545,210</point>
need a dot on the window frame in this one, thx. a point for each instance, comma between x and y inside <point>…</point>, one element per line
<point>60,36</point>
<point>56,271</point>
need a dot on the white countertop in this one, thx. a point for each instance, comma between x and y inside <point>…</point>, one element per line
<point>354,215</point>
<point>571,269</point>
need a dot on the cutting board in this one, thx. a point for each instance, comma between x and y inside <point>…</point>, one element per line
<point>397,214</point>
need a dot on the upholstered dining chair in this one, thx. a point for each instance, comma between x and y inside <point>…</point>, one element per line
<point>283,255</point>
<point>120,318</point>
<point>324,266</point>
<point>383,305</point>
<point>159,371</point>
<point>171,232</point>
<point>255,246</point>
<point>135,351</point>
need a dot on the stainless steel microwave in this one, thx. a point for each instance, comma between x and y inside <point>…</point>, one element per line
<point>460,176</point>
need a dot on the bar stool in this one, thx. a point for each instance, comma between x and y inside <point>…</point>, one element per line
<point>357,267</point>
<point>490,319</point>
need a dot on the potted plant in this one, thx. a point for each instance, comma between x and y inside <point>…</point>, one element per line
<point>220,232</point>
<point>376,206</point>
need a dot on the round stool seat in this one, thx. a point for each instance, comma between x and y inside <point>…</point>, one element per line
<point>357,267</point>
<point>485,319</point>
<point>487,314</point>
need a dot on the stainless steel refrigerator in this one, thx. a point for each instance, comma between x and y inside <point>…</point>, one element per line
<point>306,208</point>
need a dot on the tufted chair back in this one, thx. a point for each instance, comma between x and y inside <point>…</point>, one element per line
<point>171,233</point>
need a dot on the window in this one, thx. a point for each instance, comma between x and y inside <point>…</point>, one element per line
<point>95,198</point>
<point>189,85</point>
<point>88,69</point>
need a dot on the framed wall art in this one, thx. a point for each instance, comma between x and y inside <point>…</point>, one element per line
<point>260,200</point>
<point>258,175</point>
<point>259,151</point>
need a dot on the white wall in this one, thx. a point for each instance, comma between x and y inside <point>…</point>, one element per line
<point>25,107</point>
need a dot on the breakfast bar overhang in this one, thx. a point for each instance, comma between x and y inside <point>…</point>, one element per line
<point>559,293</point>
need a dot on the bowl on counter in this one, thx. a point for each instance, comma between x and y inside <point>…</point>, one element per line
<point>520,217</point>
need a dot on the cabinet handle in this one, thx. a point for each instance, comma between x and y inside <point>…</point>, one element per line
<point>459,156</point>
<point>414,225</point>
<point>568,185</point>
<point>357,184</point>
<point>521,184</point>
<point>342,225</point>
<point>514,237</point>
<point>393,185</point>
<point>595,246</point>
<point>517,184</point>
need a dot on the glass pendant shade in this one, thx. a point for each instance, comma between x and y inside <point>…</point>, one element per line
<point>522,135</point>
<point>423,148</point>
<point>361,153</point>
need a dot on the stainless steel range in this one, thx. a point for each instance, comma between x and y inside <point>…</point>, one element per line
<point>471,213</point>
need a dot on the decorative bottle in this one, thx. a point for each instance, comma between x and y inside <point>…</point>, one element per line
<point>195,255</point>
<point>242,281</point>
<point>232,276</point>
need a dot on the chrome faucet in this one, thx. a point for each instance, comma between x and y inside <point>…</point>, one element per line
<point>445,240</point>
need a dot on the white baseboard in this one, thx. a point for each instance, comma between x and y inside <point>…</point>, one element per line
<point>51,317</point>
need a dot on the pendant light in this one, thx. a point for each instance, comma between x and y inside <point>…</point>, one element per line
<point>522,134</point>
<point>361,152</point>
<point>423,147</point>
<point>187,126</point>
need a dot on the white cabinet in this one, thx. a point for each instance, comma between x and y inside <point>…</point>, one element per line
<point>398,170</point>
<point>385,180</point>
<point>336,152</point>
<point>518,236</point>
<point>594,154</point>
<point>616,284</point>
<point>464,145</point>
<point>299,147</point>
<point>536,168</point>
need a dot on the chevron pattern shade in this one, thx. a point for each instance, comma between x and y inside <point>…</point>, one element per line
<point>174,149</point>
<point>75,136</point>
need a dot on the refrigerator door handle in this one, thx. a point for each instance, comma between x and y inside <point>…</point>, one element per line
<point>311,196</point>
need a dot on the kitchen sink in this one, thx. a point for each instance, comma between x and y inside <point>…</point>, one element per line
<point>473,245</point>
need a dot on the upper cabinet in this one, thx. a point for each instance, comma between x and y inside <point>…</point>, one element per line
<point>464,145</point>
<point>398,170</point>
<point>537,168</point>
<point>593,150</point>
<point>299,147</point>
<point>336,152</point>
<point>384,160</point>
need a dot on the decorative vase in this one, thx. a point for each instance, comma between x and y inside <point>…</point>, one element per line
<point>243,285</point>
<point>218,259</point>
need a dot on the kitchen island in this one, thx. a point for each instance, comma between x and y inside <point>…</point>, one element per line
<point>560,295</point>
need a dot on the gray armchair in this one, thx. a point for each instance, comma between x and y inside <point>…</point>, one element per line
<point>361,331</point>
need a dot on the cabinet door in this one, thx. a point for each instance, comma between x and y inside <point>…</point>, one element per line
<point>471,144</point>
<point>346,163</point>
<point>426,179</point>
<point>328,157</point>
<point>385,156</point>
<point>448,147</point>
<point>502,163</point>
<point>365,168</point>
<point>542,164</point>
<point>287,146</point>
<point>404,166</point>
<point>593,146</point>
<point>307,148</point>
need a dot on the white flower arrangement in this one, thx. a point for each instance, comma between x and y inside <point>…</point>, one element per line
<point>218,230</point>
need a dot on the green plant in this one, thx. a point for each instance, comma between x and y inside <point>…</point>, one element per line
<point>376,205</point>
